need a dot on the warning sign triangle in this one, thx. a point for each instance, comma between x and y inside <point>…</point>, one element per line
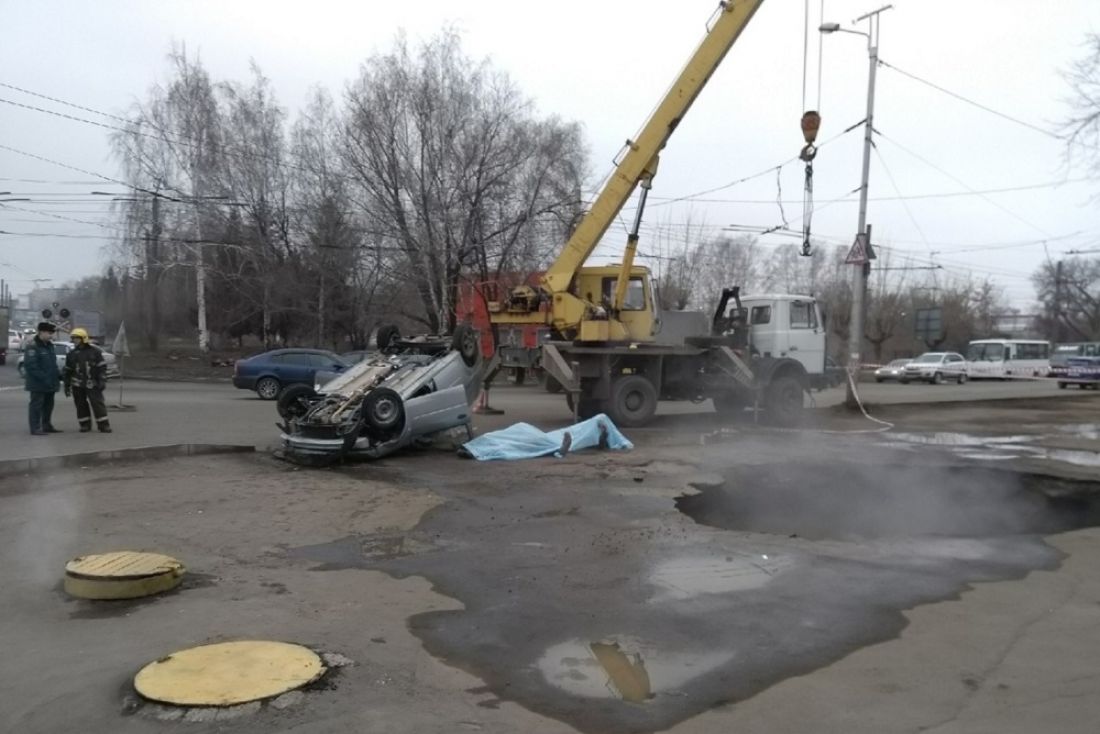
<point>860,253</point>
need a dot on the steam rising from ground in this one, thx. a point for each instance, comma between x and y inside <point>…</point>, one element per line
<point>827,500</point>
<point>47,534</point>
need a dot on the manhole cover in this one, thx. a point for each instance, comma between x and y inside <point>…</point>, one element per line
<point>122,575</point>
<point>228,673</point>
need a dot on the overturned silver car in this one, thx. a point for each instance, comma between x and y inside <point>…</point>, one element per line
<point>412,390</point>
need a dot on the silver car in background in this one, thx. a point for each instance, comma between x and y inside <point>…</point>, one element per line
<point>411,391</point>
<point>892,371</point>
<point>936,368</point>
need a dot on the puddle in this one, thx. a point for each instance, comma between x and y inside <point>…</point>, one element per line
<point>958,439</point>
<point>1003,448</point>
<point>620,620</point>
<point>686,578</point>
<point>624,669</point>
<point>825,501</point>
<point>1082,430</point>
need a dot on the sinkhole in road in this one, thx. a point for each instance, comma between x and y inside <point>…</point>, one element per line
<point>843,501</point>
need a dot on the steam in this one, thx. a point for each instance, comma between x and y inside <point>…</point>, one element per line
<point>860,501</point>
<point>48,533</point>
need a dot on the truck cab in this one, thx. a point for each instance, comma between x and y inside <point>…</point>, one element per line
<point>787,326</point>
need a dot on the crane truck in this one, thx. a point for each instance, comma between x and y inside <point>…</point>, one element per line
<point>610,348</point>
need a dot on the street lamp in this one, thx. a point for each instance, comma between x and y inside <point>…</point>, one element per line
<point>860,257</point>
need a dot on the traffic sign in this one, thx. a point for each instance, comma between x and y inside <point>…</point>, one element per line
<point>861,252</point>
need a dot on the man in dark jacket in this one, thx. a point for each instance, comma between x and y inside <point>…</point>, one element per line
<point>42,379</point>
<point>85,379</point>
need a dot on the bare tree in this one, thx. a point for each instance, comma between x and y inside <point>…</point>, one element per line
<point>1069,293</point>
<point>1082,125</point>
<point>453,168</point>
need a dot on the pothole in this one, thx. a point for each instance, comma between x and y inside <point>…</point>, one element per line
<point>851,501</point>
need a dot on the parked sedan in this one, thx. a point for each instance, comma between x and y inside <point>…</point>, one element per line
<point>62,349</point>
<point>270,372</point>
<point>892,371</point>
<point>935,367</point>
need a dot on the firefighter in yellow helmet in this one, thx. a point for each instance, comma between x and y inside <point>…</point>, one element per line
<point>85,379</point>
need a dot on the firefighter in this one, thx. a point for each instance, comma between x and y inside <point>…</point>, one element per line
<point>42,379</point>
<point>85,380</point>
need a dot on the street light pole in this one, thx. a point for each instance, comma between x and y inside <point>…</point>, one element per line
<point>862,265</point>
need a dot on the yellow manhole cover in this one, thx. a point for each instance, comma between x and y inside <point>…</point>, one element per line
<point>228,673</point>
<point>122,575</point>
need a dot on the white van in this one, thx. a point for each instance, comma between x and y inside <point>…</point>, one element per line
<point>1008,358</point>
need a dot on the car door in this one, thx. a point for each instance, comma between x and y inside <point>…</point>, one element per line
<point>763,321</point>
<point>804,341</point>
<point>953,365</point>
<point>295,367</point>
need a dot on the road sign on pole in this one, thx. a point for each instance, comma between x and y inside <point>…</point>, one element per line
<point>861,252</point>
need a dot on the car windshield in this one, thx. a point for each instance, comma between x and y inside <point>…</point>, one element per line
<point>929,358</point>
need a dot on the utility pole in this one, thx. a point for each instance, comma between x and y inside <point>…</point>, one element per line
<point>862,266</point>
<point>1058,318</point>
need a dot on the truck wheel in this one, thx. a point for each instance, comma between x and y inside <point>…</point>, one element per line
<point>1061,385</point>
<point>294,401</point>
<point>633,401</point>
<point>383,410</point>
<point>783,401</point>
<point>551,385</point>
<point>588,408</point>
<point>519,375</point>
<point>466,342</point>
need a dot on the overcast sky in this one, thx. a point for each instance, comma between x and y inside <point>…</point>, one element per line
<point>605,64</point>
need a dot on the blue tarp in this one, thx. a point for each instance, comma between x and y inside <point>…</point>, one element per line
<point>524,441</point>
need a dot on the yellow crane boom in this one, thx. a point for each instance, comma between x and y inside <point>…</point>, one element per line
<point>640,160</point>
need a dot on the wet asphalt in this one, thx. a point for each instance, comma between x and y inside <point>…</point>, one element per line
<point>590,598</point>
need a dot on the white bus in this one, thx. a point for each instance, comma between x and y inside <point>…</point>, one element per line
<point>1008,358</point>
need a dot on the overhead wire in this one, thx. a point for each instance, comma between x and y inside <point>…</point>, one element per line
<point>962,183</point>
<point>979,105</point>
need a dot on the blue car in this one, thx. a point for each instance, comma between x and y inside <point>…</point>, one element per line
<point>270,372</point>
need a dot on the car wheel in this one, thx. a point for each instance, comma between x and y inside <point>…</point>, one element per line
<point>466,342</point>
<point>267,388</point>
<point>880,379</point>
<point>383,410</point>
<point>1062,385</point>
<point>294,401</point>
<point>937,379</point>
<point>633,401</point>
<point>20,370</point>
<point>550,384</point>
<point>962,379</point>
<point>904,382</point>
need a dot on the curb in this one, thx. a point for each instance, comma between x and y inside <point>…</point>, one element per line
<point>16,467</point>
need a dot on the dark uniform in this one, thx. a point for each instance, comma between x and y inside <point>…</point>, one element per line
<point>86,379</point>
<point>42,378</point>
